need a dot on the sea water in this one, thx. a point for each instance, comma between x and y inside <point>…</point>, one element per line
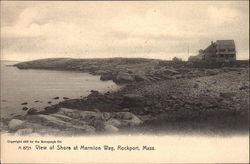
<point>38,88</point>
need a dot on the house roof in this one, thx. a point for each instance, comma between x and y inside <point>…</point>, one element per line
<point>225,42</point>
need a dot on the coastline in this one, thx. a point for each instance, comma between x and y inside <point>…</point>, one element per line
<point>157,97</point>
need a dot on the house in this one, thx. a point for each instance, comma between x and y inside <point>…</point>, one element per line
<point>221,50</point>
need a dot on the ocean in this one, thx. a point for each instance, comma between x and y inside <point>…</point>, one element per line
<point>39,88</point>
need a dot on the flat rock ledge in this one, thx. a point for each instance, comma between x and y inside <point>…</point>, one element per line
<point>73,122</point>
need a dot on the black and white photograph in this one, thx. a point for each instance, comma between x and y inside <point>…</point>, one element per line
<point>125,68</point>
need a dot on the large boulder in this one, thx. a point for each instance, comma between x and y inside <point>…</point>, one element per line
<point>47,120</point>
<point>123,115</point>
<point>106,115</point>
<point>51,121</point>
<point>106,76</point>
<point>77,114</point>
<point>127,118</point>
<point>16,124</point>
<point>111,128</point>
<point>61,116</point>
<point>72,113</point>
<point>114,122</point>
<point>93,118</point>
<point>87,115</point>
<point>124,78</point>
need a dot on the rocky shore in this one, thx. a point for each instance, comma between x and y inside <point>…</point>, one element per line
<point>156,97</point>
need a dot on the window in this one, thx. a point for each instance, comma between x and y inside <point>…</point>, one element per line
<point>221,55</point>
<point>222,50</point>
<point>231,49</point>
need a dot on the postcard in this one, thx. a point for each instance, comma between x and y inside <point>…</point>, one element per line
<point>124,82</point>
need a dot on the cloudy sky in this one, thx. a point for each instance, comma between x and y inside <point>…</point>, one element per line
<point>33,30</point>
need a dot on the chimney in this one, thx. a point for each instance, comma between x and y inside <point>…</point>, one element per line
<point>212,42</point>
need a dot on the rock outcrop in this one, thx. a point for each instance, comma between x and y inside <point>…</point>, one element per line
<point>16,124</point>
<point>122,77</point>
<point>106,76</point>
<point>74,121</point>
<point>111,129</point>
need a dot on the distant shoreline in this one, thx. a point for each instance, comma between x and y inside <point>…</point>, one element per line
<point>9,61</point>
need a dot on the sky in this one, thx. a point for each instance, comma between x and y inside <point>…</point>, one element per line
<point>146,29</point>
